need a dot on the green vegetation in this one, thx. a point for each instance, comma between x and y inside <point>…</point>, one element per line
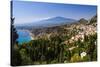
<point>93,20</point>
<point>47,51</point>
<point>15,55</point>
<point>66,44</point>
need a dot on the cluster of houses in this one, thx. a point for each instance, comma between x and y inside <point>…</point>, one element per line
<point>82,31</point>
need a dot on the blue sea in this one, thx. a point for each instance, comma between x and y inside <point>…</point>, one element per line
<point>23,36</point>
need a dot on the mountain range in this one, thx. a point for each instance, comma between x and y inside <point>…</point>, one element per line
<point>54,21</point>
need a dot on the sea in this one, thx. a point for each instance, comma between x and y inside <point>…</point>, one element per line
<point>23,36</point>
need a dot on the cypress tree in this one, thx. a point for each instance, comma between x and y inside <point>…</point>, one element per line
<point>15,56</point>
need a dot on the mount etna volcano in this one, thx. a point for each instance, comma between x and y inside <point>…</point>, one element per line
<point>50,22</point>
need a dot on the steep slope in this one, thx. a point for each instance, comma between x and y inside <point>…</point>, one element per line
<point>93,19</point>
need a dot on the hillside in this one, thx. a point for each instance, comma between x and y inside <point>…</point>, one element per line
<point>80,27</point>
<point>75,42</point>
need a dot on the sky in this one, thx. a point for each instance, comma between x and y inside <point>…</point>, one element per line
<point>27,12</point>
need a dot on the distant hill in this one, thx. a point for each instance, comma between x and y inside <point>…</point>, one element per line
<point>83,21</point>
<point>55,21</point>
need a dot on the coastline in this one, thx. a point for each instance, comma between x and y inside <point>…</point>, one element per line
<point>31,34</point>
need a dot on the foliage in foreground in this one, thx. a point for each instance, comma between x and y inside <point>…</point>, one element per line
<point>53,50</point>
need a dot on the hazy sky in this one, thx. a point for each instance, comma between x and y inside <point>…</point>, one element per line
<point>26,12</point>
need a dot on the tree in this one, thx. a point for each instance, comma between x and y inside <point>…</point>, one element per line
<point>15,56</point>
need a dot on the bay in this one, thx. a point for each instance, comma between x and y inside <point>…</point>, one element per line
<point>23,36</point>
